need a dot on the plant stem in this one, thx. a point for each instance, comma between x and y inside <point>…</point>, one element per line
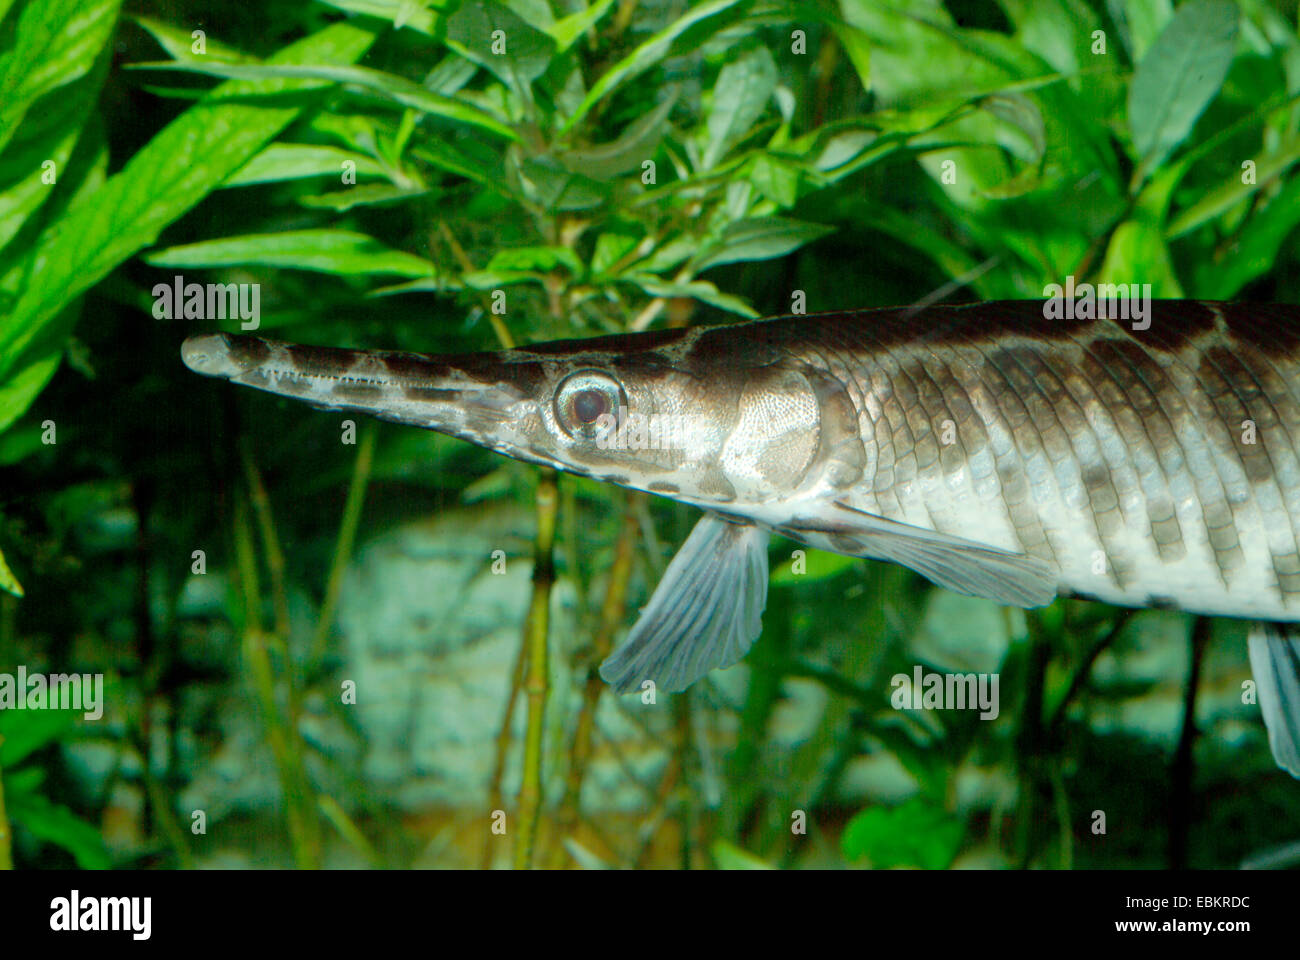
<point>535,683</point>
<point>163,811</point>
<point>304,827</point>
<point>611,616</point>
<point>270,542</point>
<point>6,848</point>
<point>348,830</point>
<point>347,536</point>
<point>495,801</point>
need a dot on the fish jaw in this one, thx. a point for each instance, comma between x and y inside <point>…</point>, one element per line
<point>482,398</point>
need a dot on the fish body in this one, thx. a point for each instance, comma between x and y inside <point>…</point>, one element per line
<point>996,451</point>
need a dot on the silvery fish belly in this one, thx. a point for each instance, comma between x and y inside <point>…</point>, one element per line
<point>997,452</point>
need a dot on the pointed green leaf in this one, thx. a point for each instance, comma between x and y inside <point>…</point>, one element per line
<point>58,825</point>
<point>193,155</point>
<point>495,37</point>
<point>1178,78</point>
<point>700,290</point>
<point>566,32</point>
<point>56,42</point>
<point>395,88</point>
<point>8,581</point>
<point>179,43</point>
<point>294,161</point>
<point>420,15</point>
<point>739,97</point>
<point>325,251</point>
<point>647,55</point>
<point>760,238</point>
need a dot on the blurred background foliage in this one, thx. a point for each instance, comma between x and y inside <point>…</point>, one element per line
<point>451,177</point>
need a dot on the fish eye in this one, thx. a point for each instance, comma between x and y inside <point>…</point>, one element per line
<point>587,403</point>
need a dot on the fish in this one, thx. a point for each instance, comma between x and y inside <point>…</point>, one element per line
<point>996,450</point>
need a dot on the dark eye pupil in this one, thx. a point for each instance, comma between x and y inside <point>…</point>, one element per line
<point>588,405</point>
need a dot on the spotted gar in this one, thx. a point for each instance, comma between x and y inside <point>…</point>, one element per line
<point>997,452</point>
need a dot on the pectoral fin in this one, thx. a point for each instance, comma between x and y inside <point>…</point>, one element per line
<point>962,566</point>
<point>706,612</point>
<point>1275,662</point>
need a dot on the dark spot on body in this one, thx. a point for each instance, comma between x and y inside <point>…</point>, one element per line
<point>248,351</point>
<point>1158,602</point>
<point>660,486</point>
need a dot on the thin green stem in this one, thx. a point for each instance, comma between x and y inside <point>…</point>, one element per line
<point>348,830</point>
<point>536,681</point>
<point>347,536</point>
<point>286,747</point>
<point>6,846</point>
<point>612,612</point>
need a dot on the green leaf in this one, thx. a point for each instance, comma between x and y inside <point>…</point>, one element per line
<point>402,13</point>
<point>485,170</point>
<point>1255,249</point>
<point>443,284</point>
<point>728,856</point>
<point>363,195</point>
<point>26,731</point>
<point>24,386</point>
<point>1179,77</point>
<point>635,145</point>
<point>857,45</point>
<point>179,43</point>
<point>700,290</point>
<point>739,97</point>
<point>190,157</point>
<point>760,238</point>
<point>916,833</point>
<point>1140,22</point>
<point>646,56</point>
<point>56,42</point>
<point>26,780</point>
<point>556,188</point>
<point>325,251</point>
<point>58,825</point>
<point>1137,252</point>
<point>294,161</point>
<point>388,85</point>
<point>1059,31</point>
<point>543,259</point>
<point>670,254</point>
<point>815,565</point>
<point>8,582</point>
<point>475,31</point>
<point>775,179</point>
<point>1268,165</point>
<point>566,32</point>
<point>37,156</point>
<point>18,444</point>
<point>611,247</point>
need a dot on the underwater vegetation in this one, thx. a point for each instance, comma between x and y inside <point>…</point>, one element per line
<point>236,631</point>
